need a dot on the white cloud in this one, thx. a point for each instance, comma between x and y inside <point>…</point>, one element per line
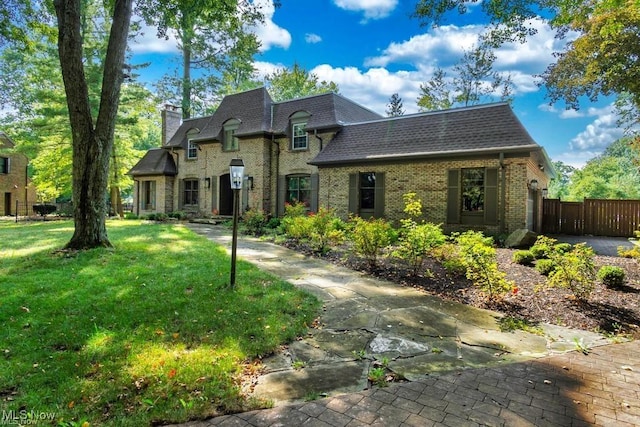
<point>577,159</point>
<point>600,133</point>
<point>374,87</point>
<point>148,41</point>
<point>312,38</point>
<point>269,33</point>
<point>263,69</point>
<point>373,9</point>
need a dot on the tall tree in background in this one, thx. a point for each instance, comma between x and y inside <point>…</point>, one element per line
<point>217,49</point>
<point>602,60</point>
<point>287,84</point>
<point>474,81</point>
<point>394,107</point>
<point>559,186</point>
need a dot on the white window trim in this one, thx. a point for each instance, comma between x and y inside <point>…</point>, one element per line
<point>192,146</point>
<point>294,136</point>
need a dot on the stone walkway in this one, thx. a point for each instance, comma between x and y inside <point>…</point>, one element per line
<point>458,368</point>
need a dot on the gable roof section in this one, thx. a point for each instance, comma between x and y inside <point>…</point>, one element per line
<point>462,131</point>
<point>156,161</point>
<point>5,141</point>
<point>328,110</point>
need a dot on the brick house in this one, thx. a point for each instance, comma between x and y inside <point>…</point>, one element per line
<point>474,167</point>
<point>15,185</point>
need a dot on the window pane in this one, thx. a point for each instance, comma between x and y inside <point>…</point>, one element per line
<point>473,190</point>
<point>367,198</point>
<point>293,183</point>
<point>305,182</point>
<point>367,180</point>
<point>299,136</point>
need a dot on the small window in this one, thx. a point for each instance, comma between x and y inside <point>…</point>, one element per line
<point>192,151</point>
<point>230,140</point>
<point>299,133</point>
<point>367,191</point>
<point>5,165</point>
<point>299,190</point>
<point>149,195</point>
<point>190,192</point>
<point>473,190</point>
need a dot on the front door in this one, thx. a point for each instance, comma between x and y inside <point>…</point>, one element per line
<point>226,195</point>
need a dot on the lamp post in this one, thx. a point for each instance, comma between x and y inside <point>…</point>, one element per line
<point>236,174</point>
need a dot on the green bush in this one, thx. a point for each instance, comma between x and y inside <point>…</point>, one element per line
<point>611,276</point>
<point>523,257</point>
<point>44,209</point>
<point>449,257</point>
<point>574,270</point>
<point>563,247</point>
<point>130,215</point>
<point>543,247</point>
<point>417,242</point>
<point>320,229</point>
<point>254,222</point>
<point>545,266</point>
<point>634,252</point>
<point>479,257</point>
<point>370,237</point>
<point>179,215</point>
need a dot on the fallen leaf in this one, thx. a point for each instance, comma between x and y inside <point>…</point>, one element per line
<point>172,373</point>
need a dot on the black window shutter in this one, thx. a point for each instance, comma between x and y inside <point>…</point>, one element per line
<point>453,197</point>
<point>378,208</point>
<point>315,184</point>
<point>282,194</point>
<point>353,193</point>
<point>180,194</point>
<point>214,193</point>
<point>491,196</point>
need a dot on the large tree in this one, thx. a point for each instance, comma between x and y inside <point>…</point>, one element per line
<point>287,84</point>
<point>602,60</point>
<point>473,82</point>
<point>217,48</point>
<point>91,136</point>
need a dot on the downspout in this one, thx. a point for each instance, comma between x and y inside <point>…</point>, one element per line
<point>277,162</point>
<point>503,193</point>
<point>315,133</point>
<point>138,197</point>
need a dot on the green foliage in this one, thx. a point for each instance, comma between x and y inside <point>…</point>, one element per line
<point>321,230</point>
<point>543,247</point>
<point>136,330</point>
<point>179,215</point>
<point>510,324</point>
<point>370,237</point>
<point>545,266</point>
<point>611,276</point>
<point>287,84</point>
<point>254,222</point>
<point>44,209</point>
<point>574,270</point>
<point>479,257</point>
<point>634,252</point>
<point>448,254</point>
<point>417,242</point>
<point>394,107</point>
<point>523,257</point>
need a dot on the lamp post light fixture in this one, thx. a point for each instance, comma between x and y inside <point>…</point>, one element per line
<point>236,174</point>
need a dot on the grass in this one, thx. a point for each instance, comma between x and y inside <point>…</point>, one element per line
<point>143,334</point>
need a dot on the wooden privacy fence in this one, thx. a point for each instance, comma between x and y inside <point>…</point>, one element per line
<point>597,217</point>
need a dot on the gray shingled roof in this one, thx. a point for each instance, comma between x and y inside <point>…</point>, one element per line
<point>258,114</point>
<point>462,131</point>
<point>156,161</point>
<point>327,111</point>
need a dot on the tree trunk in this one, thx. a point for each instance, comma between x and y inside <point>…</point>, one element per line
<point>92,146</point>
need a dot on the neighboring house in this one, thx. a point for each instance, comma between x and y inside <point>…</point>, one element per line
<point>474,167</point>
<point>15,185</point>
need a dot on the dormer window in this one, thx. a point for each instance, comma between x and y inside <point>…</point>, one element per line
<point>230,140</point>
<point>192,147</point>
<point>299,137</point>
<point>192,151</point>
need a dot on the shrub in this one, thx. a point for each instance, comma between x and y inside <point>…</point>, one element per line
<point>545,266</point>
<point>254,221</point>
<point>611,276</point>
<point>449,257</point>
<point>523,257</point>
<point>162,217</point>
<point>634,252</point>
<point>479,257</point>
<point>543,247</point>
<point>179,215</point>
<point>563,247</point>
<point>321,229</point>
<point>370,237</point>
<point>130,215</point>
<point>574,270</point>
<point>417,241</point>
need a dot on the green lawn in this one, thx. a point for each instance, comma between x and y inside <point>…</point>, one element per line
<point>142,334</point>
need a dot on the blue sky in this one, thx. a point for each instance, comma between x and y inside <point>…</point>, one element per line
<point>373,48</point>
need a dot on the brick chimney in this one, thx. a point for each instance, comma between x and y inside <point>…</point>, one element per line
<point>171,121</point>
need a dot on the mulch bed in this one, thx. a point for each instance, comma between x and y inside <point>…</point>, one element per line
<point>615,311</point>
